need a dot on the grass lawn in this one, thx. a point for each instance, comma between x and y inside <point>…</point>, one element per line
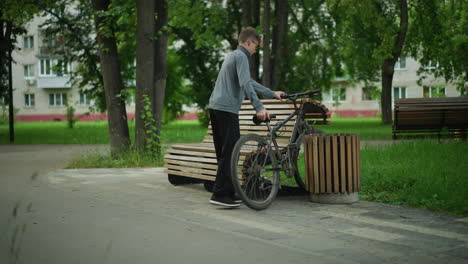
<point>367,128</point>
<point>424,174</point>
<point>175,132</point>
<point>421,173</point>
<point>93,132</point>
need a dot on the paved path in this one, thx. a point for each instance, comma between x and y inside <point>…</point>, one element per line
<point>48,215</point>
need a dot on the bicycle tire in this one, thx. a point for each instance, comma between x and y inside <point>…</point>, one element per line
<point>298,175</point>
<point>254,172</point>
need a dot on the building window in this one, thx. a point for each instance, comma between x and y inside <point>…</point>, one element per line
<point>28,42</point>
<point>434,91</point>
<point>369,93</point>
<point>57,99</point>
<point>45,67</point>
<point>62,68</point>
<point>399,93</point>
<point>53,67</point>
<point>431,65</point>
<point>401,63</point>
<point>28,71</point>
<point>338,94</point>
<point>84,100</point>
<point>29,100</point>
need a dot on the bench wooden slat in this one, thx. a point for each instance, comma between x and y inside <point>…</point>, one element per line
<point>190,158</point>
<point>192,153</point>
<point>191,175</point>
<point>191,170</point>
<point>201,147</point>
<point>191,164</point>
<point>428,108</point>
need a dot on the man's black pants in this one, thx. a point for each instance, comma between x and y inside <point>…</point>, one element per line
<point>225,127</point>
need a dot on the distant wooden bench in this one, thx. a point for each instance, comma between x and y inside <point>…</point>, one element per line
<point>429,117</point>
<point>194,163</point>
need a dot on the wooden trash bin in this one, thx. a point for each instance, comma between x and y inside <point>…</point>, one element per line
<point>332,167</point>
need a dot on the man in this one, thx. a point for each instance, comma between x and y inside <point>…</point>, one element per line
<point>232,84</point>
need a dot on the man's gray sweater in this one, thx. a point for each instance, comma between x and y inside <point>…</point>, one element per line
<point>234,84</point>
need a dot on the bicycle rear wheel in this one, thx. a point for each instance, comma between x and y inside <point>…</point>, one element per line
<point>254,171</point>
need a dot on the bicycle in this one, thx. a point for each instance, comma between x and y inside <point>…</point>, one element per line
<point>257,161</point>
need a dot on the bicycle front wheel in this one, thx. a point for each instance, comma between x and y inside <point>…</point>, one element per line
<point>254,171</point>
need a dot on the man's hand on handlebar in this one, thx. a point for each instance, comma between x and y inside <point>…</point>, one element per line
<point>280,95</point>
<point>263,115</point>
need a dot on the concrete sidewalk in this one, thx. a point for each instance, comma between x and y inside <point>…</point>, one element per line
<point>136,215</point>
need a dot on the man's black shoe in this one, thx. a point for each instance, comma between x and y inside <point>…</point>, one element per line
<point>237,199</point>
<point>224,201</point>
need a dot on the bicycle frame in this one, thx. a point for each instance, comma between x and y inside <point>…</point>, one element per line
<point>296,132</point>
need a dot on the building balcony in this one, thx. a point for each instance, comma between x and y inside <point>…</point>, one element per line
<point>48,50</point>
<point>54,82</point>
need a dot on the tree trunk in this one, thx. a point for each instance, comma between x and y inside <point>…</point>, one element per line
<point>389,64</point>
<point>160,60</point>
<point>279,32</point>
<point>255,65</point>
<point>266,76</point>
<point>6,29</point>
<point>144,66</point>
<point>113,85</point>
<point>11,112</point>
<point>246,13</point>
<point>6,91</point>
<point>249,9</point>
<point>386,97</point>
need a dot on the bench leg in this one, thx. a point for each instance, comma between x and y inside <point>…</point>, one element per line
<point>180,180</point>
<point>208,185</point>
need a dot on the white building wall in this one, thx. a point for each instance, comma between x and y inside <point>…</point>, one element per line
<point>41,86</point>
<point>406,77</point>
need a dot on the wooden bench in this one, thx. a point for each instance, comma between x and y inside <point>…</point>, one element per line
<point>429,117</point>
<point>195,163</point>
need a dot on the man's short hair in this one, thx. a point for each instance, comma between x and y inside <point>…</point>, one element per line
<point>248,33</point>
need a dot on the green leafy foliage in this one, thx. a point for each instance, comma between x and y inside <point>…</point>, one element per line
<point>153,143</point>
<point>438,36</point>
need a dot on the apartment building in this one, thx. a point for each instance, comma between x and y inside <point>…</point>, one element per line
<point>41,91</point>
<point>349,99</point>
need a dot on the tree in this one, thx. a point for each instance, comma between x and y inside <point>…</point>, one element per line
<point>113,85</point>
<point>13,16</point>
<point>371,36</point>
<point>279,33</point>
<point>145,66</point>
<point>266,77</point>
<point>78,45</point>
<point>311,58</point>
<point>390,60</point>
<point>151,68</point>
<point>438,36</point>
<point>160,60</point>
<point>201,28</point>
<point>251,18</point>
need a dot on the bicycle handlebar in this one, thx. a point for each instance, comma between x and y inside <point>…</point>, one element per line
<point>286,96</point>
<point>304,94</point>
